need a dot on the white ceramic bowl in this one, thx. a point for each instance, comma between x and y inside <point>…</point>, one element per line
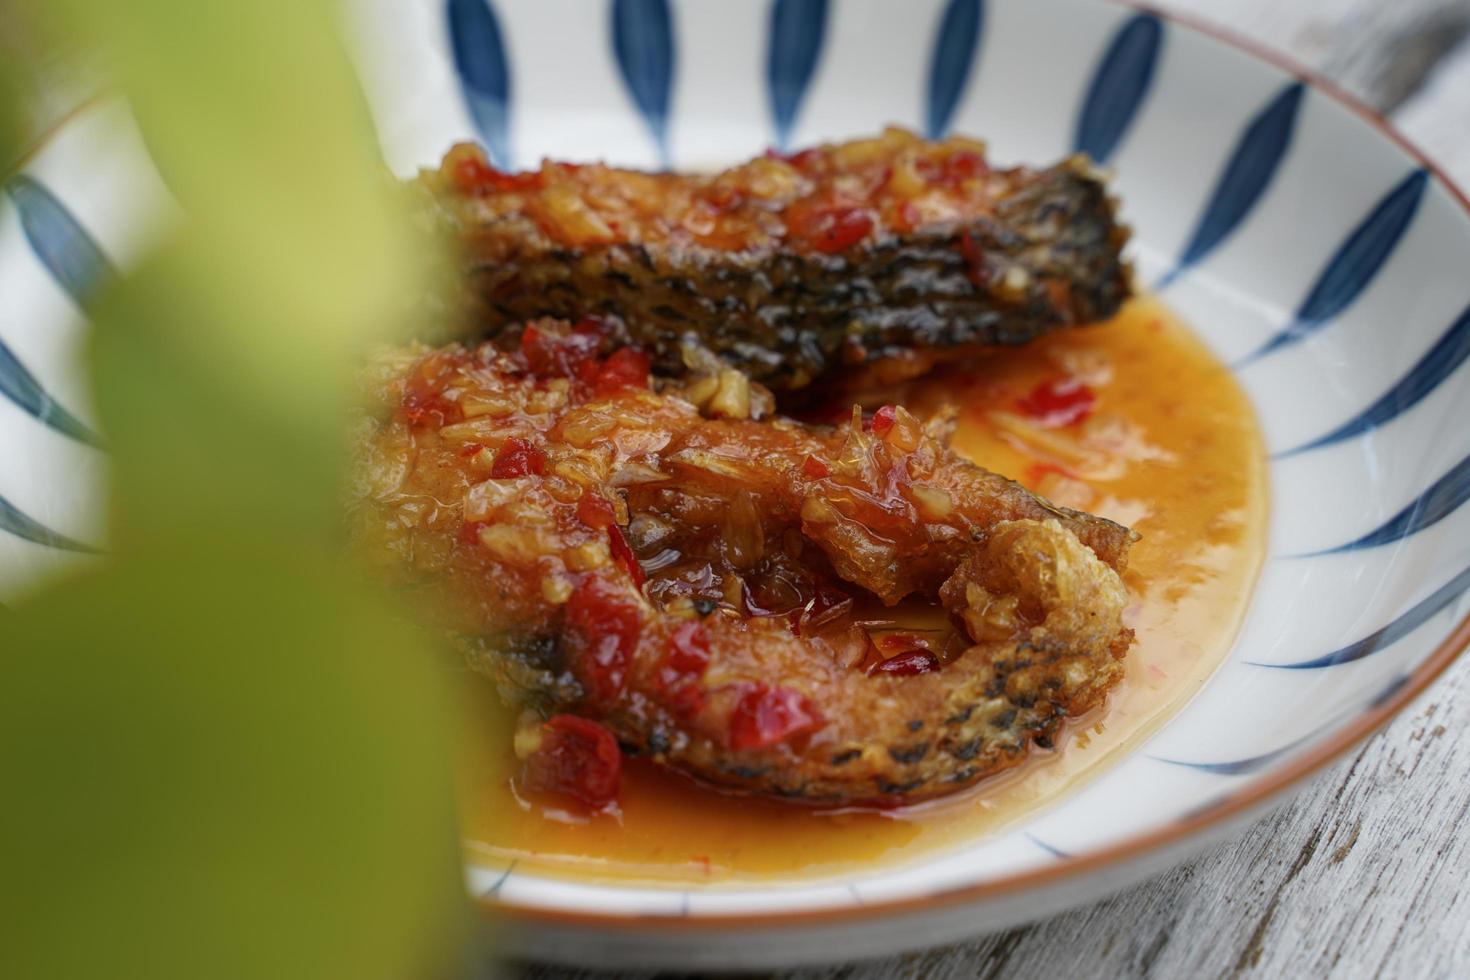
<point>1308,245</point>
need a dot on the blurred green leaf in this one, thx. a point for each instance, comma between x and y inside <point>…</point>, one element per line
<point>223,754</point>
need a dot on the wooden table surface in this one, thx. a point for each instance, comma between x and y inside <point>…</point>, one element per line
<point>1367,872</point>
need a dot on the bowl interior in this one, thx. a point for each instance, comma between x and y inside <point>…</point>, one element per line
<point>1310,251</point>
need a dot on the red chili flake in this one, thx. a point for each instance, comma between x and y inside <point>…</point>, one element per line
<point>684,665</point>
<point>1059,402</point>
<point>906,664</point>
<point>964,165</point>
<point>883,420</point>
<point>974,261</point>
<point>569,355</point>
<point>423,395</point>
<point>518,458</point>
<point>471,449</point>
<point>599,633</point>
<point>577,758</point>
<point>831,229</point>
<point>469,532</point>
<point>814,469</point>
<point>622,553</point>
<point>766,715</point>
<point>626,368</point>
<point>595,510</point>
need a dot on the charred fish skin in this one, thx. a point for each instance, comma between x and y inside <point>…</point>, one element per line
<point>997,259</point>
<point>690,582</point>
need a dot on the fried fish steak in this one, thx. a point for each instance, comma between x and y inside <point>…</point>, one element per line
<point>791,269</point>
<point>835,614</point>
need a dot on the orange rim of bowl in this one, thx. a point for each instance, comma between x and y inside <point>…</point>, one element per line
<point>1213,815</point>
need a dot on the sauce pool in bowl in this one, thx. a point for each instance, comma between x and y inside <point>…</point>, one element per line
<point>1134,420</point>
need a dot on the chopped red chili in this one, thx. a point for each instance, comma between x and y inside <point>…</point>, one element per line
<point>814,469</point>
<point>423,395</point>
<point>577,758</point>
<point>765,716</point>
<point>626,368</point>
<point>683,666</point>
<point>469,532</point>
<point>883,419</point>
<point>1059,402</point>
<point>595,510</point>
<point>600,631</point>
<point>569,355</point>
<point>518,458</point>
<point>831,229</point>
<point>622,553</point>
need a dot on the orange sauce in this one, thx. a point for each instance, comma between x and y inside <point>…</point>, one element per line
<point>1172,449</point>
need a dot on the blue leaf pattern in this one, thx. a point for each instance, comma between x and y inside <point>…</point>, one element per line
<point>643,41</point>
<point>1055,852</point>
<point>1354,265</point>
<point>21,387</point>
<point>1234,767</point>
<point>1390,634</point>
<point>1245,178</point>
<point>1119,86</point>
<point>59,241</point>
<point>17,523</point>
<point>953,61</point>
<point>1443,359</point>
<point>1441,500</point>
<point>484,75</point>
<point>795,47</point>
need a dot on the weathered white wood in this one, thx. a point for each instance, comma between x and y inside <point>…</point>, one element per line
<point>1365,873</point>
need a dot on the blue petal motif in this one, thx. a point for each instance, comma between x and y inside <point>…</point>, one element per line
<point>484,73</point>
<point>1390,634</point>
<point>643,41</point>
<point>1236,767</point>
<point>58,239</point>
<point>795,46</point>
<point>1055,852</point>
<point>1118,86</point>
<point>1353,266</point>
<point>21,387</point>
<point>499,883</point>
<point>1245,178</point>
<point>1442,360</point>
<point>18,524</point>
<point>1432,506</point>
<point>955,47</point>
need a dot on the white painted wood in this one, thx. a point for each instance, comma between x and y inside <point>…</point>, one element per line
<point>1365,873</point>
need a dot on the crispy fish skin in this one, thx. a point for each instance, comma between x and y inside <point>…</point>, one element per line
<point>996,258</point>
<point>506,494</point>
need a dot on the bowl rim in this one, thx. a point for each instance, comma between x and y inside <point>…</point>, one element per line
<point>1217,816</point>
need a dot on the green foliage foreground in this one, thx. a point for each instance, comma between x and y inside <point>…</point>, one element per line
<point>222,755</point>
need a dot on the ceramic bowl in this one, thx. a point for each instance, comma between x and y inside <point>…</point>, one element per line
<point>1310,247</point>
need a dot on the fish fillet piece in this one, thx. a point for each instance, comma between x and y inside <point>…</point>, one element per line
<point>793,269</point>
<point>835,614</point>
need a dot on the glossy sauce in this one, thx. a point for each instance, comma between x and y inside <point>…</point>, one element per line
<point>1171,448</point>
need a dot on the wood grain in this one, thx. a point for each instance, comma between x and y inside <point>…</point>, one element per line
<point>1363,874</point>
